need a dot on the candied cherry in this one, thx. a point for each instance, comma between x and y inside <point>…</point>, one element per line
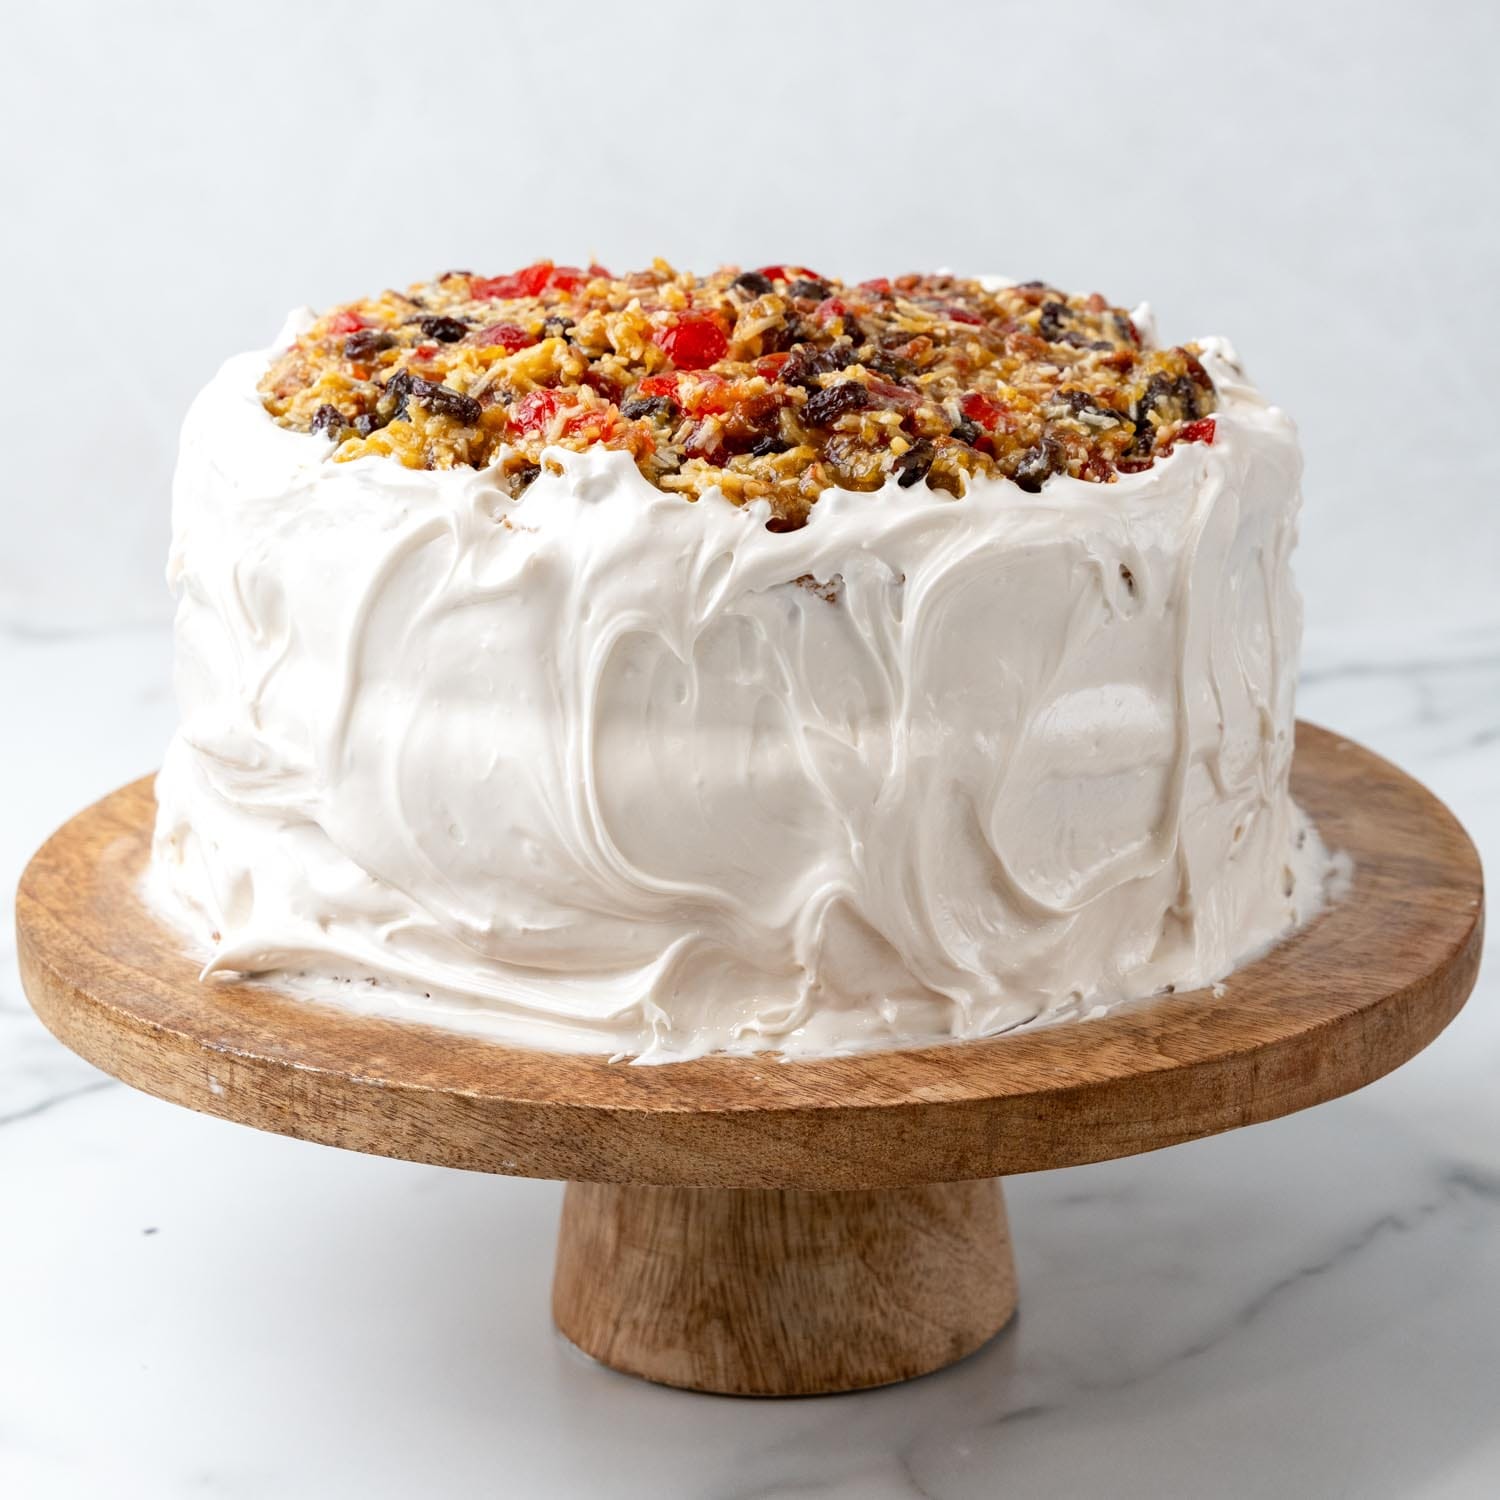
<point>568,278</point>
<point>597,423</point>
<point>829,309</point>
<point>880,285</point>
<point>508,336</point>
<point>530,281</point>
<point>963,315</point>
<point>789,273</point>
<point>769,365</point>
<point>345,322</point>
<point>534,411</point>
<point>693,342</point>
<point>979,408</point>
<point>658,385</point>
<point>1201,431</point>
<point>711,393</point>
<point>901,395</point>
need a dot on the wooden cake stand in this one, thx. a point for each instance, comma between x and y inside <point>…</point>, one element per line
<point>762,1227</point>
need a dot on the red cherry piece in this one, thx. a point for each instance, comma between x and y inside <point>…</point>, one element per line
<point>710,393</point>
<point>963,315</point>
<point>1201,431</point>
<point>596,271</point>
<point>829,309</point>
<point>770,365</point>
<point>979,408</point>
<point>568,278</point>
<point>507,336</point>
<point>534,411</point>
<point>529,282</point>
<point>658,385</point>
<point>693,342</point>
<point>881,285</point>
<point>595,424</point>
<point>345,322</point>
<point>789,273</point>
<point>705,441</point>
<point>901,395</point>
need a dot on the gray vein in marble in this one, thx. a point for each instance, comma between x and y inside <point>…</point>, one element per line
<point>42,1106</point>
<point>1456,1181</point>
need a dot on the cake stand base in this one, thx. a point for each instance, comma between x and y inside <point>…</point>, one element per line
<point>780,1291</point>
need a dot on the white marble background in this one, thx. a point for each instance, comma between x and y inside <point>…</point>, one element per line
<point>1307,1308</point>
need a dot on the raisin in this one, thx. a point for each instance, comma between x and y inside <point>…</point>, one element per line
<point>806,363</point>
<point>556,327</point>
<point>399,388</point>
<point>767,446</point>
<point>1081,404</point>
<point>1186,393</point>
<point>366,342</point>
<point>840,354</point>
<point>911,468</point>
<point>445,401</point>
<point>444,330</point>
<point>327,419</point>
<point>523,479</point>
<point>754,283</point>
<point>1158,389</point>
<point>368,423</point>
<point>888,365</point>
<point>826,406</point>
<point>648,406</point>
<point>1037,462</point>
<point>1050,324</point>
<point>815,290</point>
<point>968,432</point>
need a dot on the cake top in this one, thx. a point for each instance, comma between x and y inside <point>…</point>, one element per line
<point>775,383</point>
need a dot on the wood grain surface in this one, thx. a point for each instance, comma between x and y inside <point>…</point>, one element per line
<point>780,1292</point>
<point>1368,984</point>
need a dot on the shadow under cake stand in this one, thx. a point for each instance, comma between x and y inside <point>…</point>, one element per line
<point>752,1226</point>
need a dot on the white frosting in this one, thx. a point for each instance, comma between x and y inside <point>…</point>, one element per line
<point>591,770</point>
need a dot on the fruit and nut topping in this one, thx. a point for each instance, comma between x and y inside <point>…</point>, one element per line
<point>775,383</point>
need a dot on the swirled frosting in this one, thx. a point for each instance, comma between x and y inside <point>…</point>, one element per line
<point>603,769</point>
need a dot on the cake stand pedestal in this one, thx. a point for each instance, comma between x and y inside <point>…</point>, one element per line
<point>758,1227</point>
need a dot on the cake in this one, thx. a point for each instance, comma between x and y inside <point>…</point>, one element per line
<point>655,665</point>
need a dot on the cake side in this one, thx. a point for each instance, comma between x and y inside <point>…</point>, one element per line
<point>597,769</point>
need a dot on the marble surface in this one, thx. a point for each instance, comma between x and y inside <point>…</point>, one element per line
<point>189,1308</point>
